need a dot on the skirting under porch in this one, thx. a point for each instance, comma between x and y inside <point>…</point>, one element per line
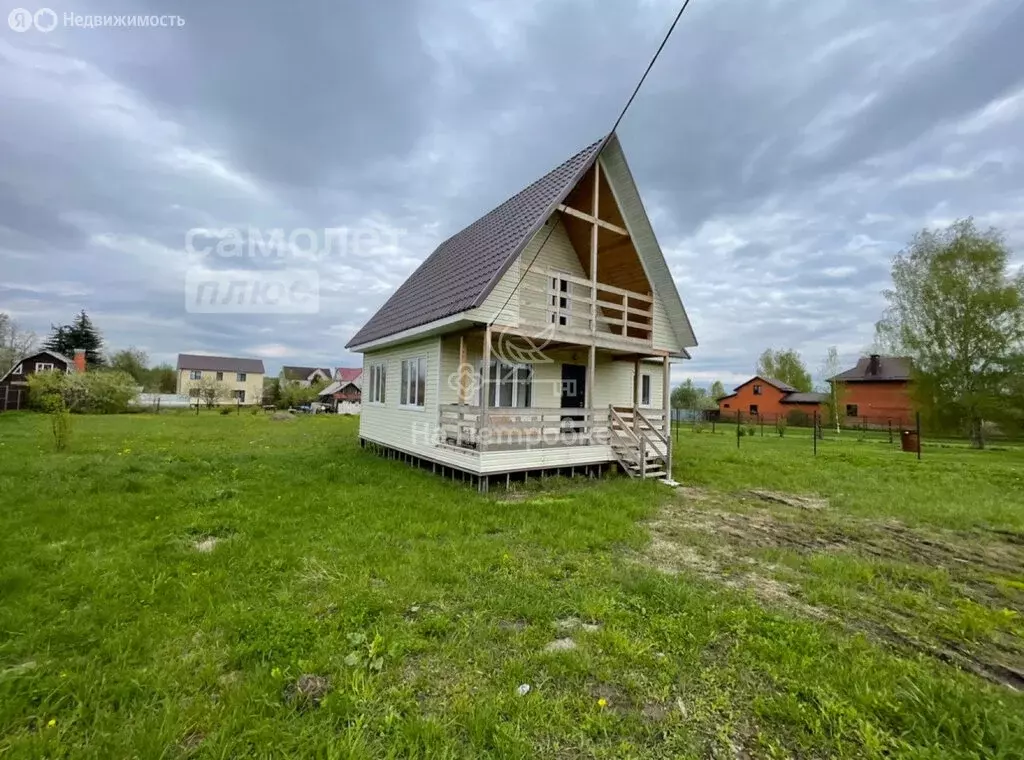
<point>488,468</point>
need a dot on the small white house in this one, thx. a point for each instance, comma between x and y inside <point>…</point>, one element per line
<point>539,338</point>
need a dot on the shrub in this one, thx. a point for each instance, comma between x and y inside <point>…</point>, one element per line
<point>780,426</point>
<point>225,411</point>
<point>95,392</point>
<point>60,422</point>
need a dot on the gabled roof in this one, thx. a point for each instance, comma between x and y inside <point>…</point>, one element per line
<point>888,369</point>
<point>460,273</point>
<point>348,374</point>
<point>303,373</point>
<point>219,363</point>
<point>69,364</point>
<point>784,387</point>
<point>339,385</point>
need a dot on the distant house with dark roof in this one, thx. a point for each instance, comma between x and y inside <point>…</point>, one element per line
<point>14,382</point>
<point>241,380</point>
<point>768,398</point>
<point>539,338</point>
<point>305,376</point>
<point>878,389</point>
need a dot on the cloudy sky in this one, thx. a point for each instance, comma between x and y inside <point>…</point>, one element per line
<point>785,150</point>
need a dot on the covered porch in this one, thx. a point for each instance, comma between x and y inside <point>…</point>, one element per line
<point>554,400</point>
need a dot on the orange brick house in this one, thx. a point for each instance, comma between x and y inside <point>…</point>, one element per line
<point>878,389</point>
<point>767,398</point>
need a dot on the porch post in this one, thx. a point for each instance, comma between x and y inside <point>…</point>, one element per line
<point>485,386</point>
<point>636,392</point>
<point>591,375</point>
<point>666,399</point>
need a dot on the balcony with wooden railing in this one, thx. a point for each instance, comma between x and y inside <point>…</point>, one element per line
<point>574,308</point>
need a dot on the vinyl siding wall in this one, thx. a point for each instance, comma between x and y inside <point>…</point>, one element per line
<point>389,423</point>
<point>253,385</point>
<point>613,379</point>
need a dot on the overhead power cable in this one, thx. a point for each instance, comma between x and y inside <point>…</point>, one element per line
<point>622,115</point>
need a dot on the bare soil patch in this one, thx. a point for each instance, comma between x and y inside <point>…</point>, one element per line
<point>725,538</point>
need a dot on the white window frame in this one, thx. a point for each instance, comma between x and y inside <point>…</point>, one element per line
<point>646,390</point>
<point>559,293</point>
<point>18,370</point>
<point>241,377</point>
<point>522,389</point>
<point>239,398</point>
<point>44,367</point>
<point>195,374</point>
<point>378,374</point>
<point>410,395</point>
<point>220,377</point>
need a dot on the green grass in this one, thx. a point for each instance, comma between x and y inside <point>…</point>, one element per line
<point>425,605</point>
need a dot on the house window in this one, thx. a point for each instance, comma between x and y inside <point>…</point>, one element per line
<point>44,366</point>
<point>645,390</point>
<point>560,302</point>
<point>220,376</point>
<point>509,385</point>
<point>753,410</point>
<point>414,382</point>
<point>240,396</point>
<point>757,390</point>
<point>378,382</point>
<point>17,370</point>
<point>240,377</point>
<point>196,374</point>
<point>726,406</point>
<point>851,410</point>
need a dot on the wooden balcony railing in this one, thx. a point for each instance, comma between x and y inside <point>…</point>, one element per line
<point>572,304</point>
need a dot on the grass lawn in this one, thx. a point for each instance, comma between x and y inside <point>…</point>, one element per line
<point>233,586</point>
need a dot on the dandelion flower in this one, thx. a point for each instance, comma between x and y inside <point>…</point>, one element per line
<point>602,702</point>
<point>52,722</point>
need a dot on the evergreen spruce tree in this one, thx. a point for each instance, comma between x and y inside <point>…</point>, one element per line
<point>81,333</point>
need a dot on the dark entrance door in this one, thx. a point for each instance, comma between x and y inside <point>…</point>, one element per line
<point>574,390</point>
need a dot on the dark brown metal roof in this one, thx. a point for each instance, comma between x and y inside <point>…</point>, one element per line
<point>889,369</point>
<point>460,273</point>
<point>805,398</point>
<point>302,373</point>
<point>219,363</point>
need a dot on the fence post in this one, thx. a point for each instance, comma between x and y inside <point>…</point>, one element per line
<point>713,425</point>
<point>737,428</point>
<point>814,432</point>
<point>760,418</point>
<point>918,436</point>
<point>890,431</point>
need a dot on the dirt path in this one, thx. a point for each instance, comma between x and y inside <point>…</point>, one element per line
<point>958,597</point>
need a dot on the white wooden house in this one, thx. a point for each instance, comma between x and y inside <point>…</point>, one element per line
<point>563,293</point>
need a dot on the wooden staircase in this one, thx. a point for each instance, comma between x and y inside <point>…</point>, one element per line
<point>641,449</point>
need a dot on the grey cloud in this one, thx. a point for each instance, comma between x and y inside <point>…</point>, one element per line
<point>785,150</point>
